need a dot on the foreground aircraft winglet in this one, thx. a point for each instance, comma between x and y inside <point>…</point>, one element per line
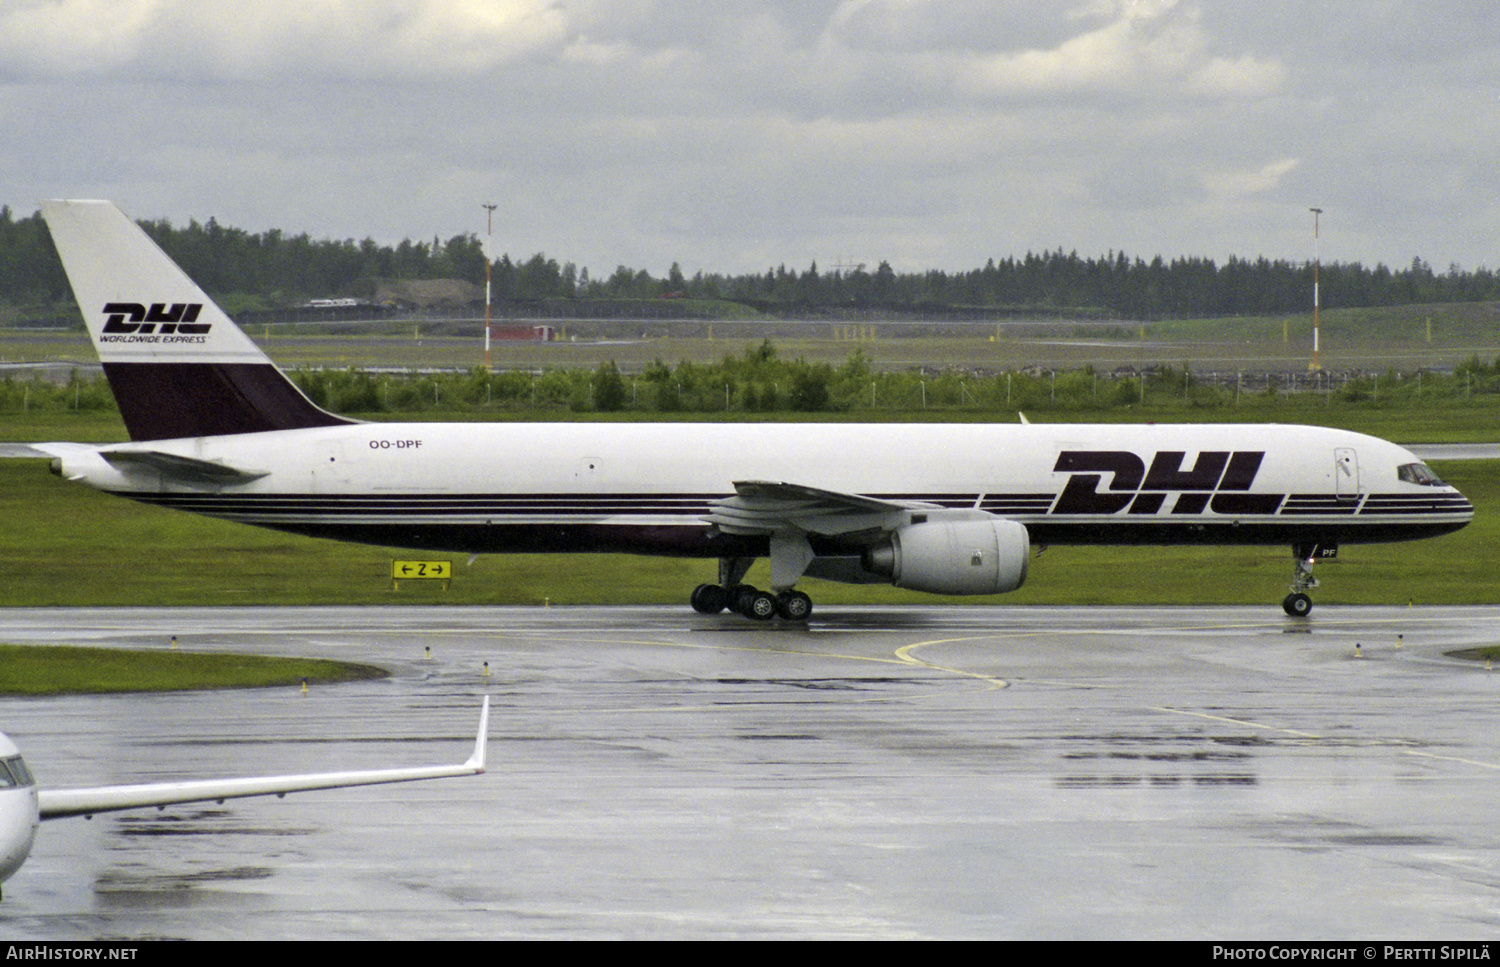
<point>61,803</point>
<point>23,805</point>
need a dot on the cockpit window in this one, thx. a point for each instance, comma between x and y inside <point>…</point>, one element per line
<point>13,772</point>
<point>1418,473</point>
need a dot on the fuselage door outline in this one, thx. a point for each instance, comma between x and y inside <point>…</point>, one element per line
<point>1346,473</point>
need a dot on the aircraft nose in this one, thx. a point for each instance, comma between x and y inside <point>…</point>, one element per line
<point>1454,506</point>
<point>18,822</point>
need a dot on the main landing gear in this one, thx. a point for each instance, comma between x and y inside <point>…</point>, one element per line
<point>1299,604</point>
<point>729,593</point>
<point>752,602</point>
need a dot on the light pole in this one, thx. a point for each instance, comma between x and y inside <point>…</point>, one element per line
<point>489,226</point>
<point>1317,361</point>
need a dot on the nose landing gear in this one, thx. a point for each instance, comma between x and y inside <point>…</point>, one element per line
<point>1299,604</point>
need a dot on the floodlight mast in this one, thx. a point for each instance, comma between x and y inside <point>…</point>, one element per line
<point>1317,360</point>
<point>489,226</point>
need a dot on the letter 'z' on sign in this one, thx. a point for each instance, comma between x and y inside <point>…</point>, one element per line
<point>421,570</point>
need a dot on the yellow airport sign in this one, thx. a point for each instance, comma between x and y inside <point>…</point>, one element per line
<point>416,570</point>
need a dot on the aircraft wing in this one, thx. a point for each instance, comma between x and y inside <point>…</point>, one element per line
<point>60,803</point>
<point>762,507</point>
<point>171,466</point>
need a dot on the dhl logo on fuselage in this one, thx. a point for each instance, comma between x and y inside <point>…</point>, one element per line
<point>1218,480</point>
<point>133,318</point>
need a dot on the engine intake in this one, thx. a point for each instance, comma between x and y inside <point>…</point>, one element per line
<point>984,556</point>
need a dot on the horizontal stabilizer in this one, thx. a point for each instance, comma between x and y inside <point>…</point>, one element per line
<point>185,469</point>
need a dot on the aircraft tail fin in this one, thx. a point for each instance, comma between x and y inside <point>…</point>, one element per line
<point>176,363</point>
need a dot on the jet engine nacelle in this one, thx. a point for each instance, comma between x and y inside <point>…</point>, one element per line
<point>986,555</point>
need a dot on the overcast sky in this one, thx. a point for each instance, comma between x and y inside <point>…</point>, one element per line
<point>741,134</point>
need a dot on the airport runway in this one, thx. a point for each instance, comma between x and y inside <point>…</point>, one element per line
<point>977,772</point>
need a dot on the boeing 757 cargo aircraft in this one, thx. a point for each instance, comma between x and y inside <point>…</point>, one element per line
<point>23,806</point>
<point>216,428</point>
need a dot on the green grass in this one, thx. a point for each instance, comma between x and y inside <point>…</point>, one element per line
<point>43,426</point>
<point>57,670</point>
<point>1472,420</point>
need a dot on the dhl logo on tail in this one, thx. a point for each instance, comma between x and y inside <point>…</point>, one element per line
<point>133,318</point>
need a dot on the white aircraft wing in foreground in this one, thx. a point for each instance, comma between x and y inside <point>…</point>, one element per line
<point>23,805</point>
<point>217,429</point>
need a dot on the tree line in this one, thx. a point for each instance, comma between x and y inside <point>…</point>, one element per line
<point>273,268</point>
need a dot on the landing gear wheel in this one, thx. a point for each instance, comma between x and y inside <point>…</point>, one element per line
<point>739,598</point>
<point>793,605</point>
<point>1297,604</point>
<point>757,604</point>
<point>709,599</point>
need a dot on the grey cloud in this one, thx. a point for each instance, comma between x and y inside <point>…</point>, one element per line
<point>736,135</point>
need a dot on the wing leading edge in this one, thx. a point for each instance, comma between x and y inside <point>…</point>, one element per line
<point>60,803</point>
<point>763,507</point>
<point>788,512</point>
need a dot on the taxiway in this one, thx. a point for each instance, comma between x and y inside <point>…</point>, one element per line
<point>975,772</point>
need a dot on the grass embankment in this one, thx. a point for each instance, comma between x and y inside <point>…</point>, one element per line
<point>59,670</point>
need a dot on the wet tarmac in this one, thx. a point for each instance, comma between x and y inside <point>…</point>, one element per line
<point>977,772</point>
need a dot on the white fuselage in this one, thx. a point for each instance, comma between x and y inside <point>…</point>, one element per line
<point>19,814</point>
<point>647,487</point>
<point>18,824</point>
